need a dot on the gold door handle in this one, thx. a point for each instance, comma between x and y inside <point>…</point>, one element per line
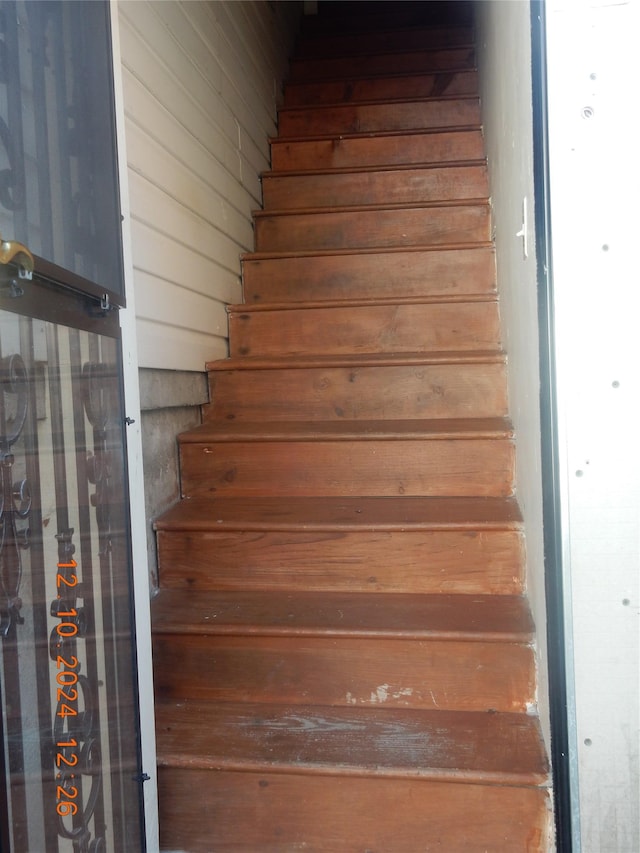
<point>12,252</point>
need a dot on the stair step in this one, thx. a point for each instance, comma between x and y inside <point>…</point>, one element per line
<point>375,116</point>
<point>382,88</point>
<point>399,62</point>
<point>336,329</point>
<point>371,274</point>
<point>373,227</point>
<point>400,185</point>
<point>390,39</point>
<point>274,812</point>
<point>496,748</point>
<point>413,457</point>
<point>344,514</point>
<point>386,545</point>
<point>380,387</point>
<point>488,618</point>
<point>472,675</point>
<point>347,150</point>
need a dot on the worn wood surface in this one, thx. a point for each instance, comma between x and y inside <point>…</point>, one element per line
<point>356,514</point>
<point>301,68</point>
<point>366,328</point>
<point>361,391</point>
<point>423,545</point>
<point>374,186</point>
<point>276,812</point>
<point>429,458</point>
<point>343,649</point>
<point>494,618</point>
<point>442,112</point>
<point>472,675</point>
<point>407,273</point>
<point>454,745</point>
<point>369,227</point>
<point>348,149</point>
<point>382,88</point>
<point>374,561</point>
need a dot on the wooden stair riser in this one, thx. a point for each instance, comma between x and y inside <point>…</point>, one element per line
<point>375,117</point>
<point>456,467</point>
<point>420,562</point>
<point>274,812</point>
<point>363,43</point>
<point>445,675</point>
<point>354,393</point>
<point>369,275</point>
<point>417,327</point>
<point>361,88</point>
<point>383,63</point>
<point>365,228</point>
<point>405,186</point>
<point>391,149</point>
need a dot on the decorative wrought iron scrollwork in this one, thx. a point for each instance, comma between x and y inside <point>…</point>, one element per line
<point>15,497</point>
<point>11,190</point>
<point>76,723</point>
<point>76,731</point>
<point>12,196</point>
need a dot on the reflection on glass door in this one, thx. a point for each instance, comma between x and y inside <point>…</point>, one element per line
<point>70,776</point>
<point>69,716</point>
<point>58,176</point>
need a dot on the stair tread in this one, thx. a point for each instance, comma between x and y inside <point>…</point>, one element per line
<point>438,429</point>
<point>391,167</point>
<point>388,86</point>
<point>373,115</point>
<point>500,618</point>
<point>377,359</point>
<point>356,76</point>
<point>344,513</point>
<point>315,72</point>
<point>352,134</point>
<point>492,747</point>
<point>299,65</point>
<point>366,250</point>
<point>360,302</point>
<point>370,208</point>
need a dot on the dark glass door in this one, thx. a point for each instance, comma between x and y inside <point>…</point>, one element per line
<point>70,774</point>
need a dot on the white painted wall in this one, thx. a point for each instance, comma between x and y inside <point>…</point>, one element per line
<point>201,81</point>
<point>595,184</point>
<point>504,60</point>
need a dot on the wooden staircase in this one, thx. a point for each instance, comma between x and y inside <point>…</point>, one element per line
<point>342,641</point>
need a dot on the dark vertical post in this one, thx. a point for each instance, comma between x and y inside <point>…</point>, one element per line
<point>549,445</point>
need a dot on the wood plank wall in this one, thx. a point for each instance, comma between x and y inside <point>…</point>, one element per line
<point>201,82</point>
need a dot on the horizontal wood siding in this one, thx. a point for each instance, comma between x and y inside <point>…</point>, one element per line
<point>201,83</point>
